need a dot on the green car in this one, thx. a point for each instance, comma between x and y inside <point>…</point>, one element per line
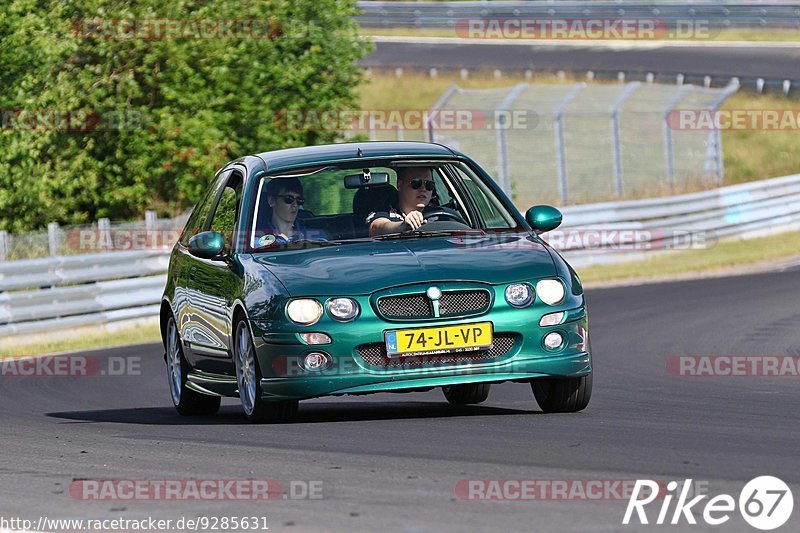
<point>368,267</point>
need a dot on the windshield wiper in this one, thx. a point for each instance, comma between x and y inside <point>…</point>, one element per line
<point>417,233</point>
<point>299,243</point>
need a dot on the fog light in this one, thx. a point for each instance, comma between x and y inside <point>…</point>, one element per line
<point>552,319</point>
<point>315,361</point>
<point>315,338</point>
<point>553,340</point>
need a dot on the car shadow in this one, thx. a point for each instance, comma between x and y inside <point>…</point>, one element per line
<point>309,413</point>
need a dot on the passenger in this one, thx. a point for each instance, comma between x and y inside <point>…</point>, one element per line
<point>415,187</point>
<point>285,198</point>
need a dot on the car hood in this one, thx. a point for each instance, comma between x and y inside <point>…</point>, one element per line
<point>365,267</point>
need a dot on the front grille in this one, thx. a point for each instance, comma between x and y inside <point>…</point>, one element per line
<point>452,303</point>
<point>407,306</point>
<point>374,354</point>
<point>463,302</point>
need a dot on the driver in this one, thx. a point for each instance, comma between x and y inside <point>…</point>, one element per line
<point>415,188</point>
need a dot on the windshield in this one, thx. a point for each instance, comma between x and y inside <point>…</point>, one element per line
<point>392,200</point>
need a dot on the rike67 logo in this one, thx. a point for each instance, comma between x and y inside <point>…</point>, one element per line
<point>766,503</point>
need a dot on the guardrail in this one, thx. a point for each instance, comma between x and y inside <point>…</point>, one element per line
<point>58,293</point>
<point>694,220</point>
<point>55,294</point>
<point>766,14</point>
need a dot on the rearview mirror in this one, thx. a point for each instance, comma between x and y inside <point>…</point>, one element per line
<point>207,245</point>
<point>365,179</point>
<point>543,218</point>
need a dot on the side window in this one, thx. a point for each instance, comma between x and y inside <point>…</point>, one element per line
<point>492,213</point>
<point>200,213</point>
<point>224,219</point>
<point>441,189</point>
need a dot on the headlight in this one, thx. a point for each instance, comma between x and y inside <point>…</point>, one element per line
<point>343,309</point>
<point>550,291</point>
<point>304,312</point>
<point>519,294</point>
<point>552,319</point>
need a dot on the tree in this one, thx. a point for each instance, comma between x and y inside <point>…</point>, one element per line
<point>111,107</point>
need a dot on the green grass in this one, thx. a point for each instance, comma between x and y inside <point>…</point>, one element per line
<point>725,256</point>
<point>755,155</point>
<point>89,338</point>
<point>414,90</point>
<point>725,35</point>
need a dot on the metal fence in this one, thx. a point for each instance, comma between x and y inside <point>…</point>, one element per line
<point>587,143</point>
<point>151,233</point>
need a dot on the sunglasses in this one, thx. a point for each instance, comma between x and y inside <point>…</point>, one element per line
<point>417,183</point>
<point>289,199</point>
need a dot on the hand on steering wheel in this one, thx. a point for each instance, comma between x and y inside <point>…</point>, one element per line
<point>414,220</point>
<point>443,214</point>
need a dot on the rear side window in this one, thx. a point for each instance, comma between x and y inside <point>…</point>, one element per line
<point>201,211</point>
<point>224,220</point>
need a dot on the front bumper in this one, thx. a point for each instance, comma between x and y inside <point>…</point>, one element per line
<point>281,354</point>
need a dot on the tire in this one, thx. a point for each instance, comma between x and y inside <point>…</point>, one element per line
<point>568,395</point>
<point>248,380</point>
<point>467,394</point>
<point>186,401</point>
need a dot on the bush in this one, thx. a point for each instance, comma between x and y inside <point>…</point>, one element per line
<point>153,119</point>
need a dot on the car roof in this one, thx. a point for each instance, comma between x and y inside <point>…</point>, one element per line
<point>330,153</point>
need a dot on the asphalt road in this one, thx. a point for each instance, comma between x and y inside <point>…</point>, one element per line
<point>718,61</point>
<point>391,462</point>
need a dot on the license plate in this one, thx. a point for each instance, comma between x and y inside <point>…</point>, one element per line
<point>445,339</point>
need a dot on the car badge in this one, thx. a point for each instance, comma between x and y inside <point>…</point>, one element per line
<point>434,293</point>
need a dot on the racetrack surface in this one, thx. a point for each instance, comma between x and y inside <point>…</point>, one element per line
<point>391,462</point>
<point>772,62</point>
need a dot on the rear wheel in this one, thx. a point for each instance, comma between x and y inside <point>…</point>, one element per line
<point>186,401</point>
<point>248,378</point>
<point>469,393</point>
<point>563,395</point>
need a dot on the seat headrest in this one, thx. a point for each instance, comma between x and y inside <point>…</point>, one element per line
<point>377,198</point>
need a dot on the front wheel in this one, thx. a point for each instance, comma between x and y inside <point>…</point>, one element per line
<point>248,379</point>
<point>563,395</point>
<point>186,401</point>
<point>467,394</point>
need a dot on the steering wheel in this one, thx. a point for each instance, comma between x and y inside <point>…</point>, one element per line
<point>443,215</point>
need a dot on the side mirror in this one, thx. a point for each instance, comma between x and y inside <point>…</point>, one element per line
<point>207,245</point>
<point>543,218</point>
